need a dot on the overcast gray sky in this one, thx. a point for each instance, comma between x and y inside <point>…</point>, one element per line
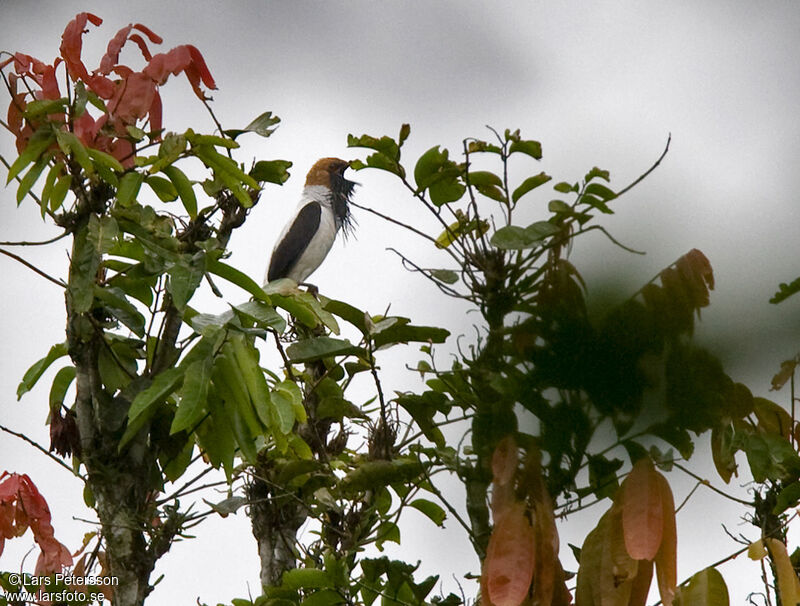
<point>599,83</point>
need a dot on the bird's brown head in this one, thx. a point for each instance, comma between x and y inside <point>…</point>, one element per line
<point>326,170</point>
<point>329,172</point>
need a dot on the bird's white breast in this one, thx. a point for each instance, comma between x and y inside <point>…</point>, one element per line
<point>323,238</point>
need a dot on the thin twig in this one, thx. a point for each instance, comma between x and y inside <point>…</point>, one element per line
<point>609,236</point>
<point>41,448</point>
<point>42,243</point>
<point>697,485</point>
<point>707,483</point>
<point>451,292</point>
<point>33,267</point>
<point>648,171</point>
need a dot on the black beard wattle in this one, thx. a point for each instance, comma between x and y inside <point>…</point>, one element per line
<point>341,192</point>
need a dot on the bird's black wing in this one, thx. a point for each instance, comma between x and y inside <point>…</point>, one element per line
<point>295,241</point>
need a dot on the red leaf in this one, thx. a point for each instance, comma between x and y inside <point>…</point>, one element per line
<point>53,558</point>
<point>504,465</point>
<point>642,513</point>
<point>548,574</point>
<point>139,41</point>
<point>155,113</point>
<point>133,99</point>
<point>510,556</point>
<point>110,59</point>
<point>72,44</point>
<point>504,460</point>
<point>21,507</point>
<point>185,58</point>
<point>667,557</point>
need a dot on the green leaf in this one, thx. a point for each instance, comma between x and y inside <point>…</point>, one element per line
<point>60,190</point>
<point>296,306</point>
<point>385,146</point>
<point>146,402</point>
<point>444,191</point>
<point>103,233</point>
<point>348,313</point>
<point>42,107</point>
<point>787,497</point>
<point>31,177</point>
<point>69,143</point>
<point>372,475</point>
<point>215,434</point>
<point>306,578</point>
<point>162,386</point>
<point>37,145</point>
<point>675,436</point>
<point>387,531</point>
<point>483,177</point>
<point>183,186</point>
<point>172,147</point>
<point>475,146</point>
<point>529,184</point>
<point>129,188</point>
<point>380,161</point>
<point>271,171</point>
<point>601,191</point>
<point>228,171</point>
<point>558,206</point>
<point>722,451</point>
<point>237,277</point>
<point>134,132</point>
<point>81,98</point>
<point>431,510</point>
<point>422,408</point>
<point>428,166</point>
<point>47,190</point>
<point>287,406</point>
<point>83,268</point>
<point>565,188</point>
<point>324,597</point>
<point>194,393</point>
<point>597,173</point>
<point>209,141</point>
<point>106,160</point>
<point>321,347</point>
<point>771,457</point>
<point>262,314</point>
<point>402,332</point>
<point>405,131</point>
<point>785,291</point>
<point>514,237</point>
<point>246,357</point>
<point>531,148</point>
<point>34,373</point>
<point>117,304</point>
<point>229,372</point>
<point>706,588</point>
<point>447,276</point>
<point>262,125</point>
<point>163,188</point>
<point>59,387</point>
<point>493,192</point>
<point>185,278</point>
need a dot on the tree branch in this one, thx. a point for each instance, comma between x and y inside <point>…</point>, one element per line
<point>33,267</point>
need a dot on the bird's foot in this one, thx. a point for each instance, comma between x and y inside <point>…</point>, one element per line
<point>311,288</point>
